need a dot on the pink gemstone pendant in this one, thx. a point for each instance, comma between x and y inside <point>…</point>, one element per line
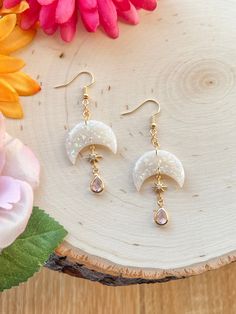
<point>97,185</point>
<point>161,217</point>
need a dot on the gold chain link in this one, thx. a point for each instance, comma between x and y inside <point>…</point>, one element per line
<point>154,132</point>
<point>160,201</point>
<point>86,111</point>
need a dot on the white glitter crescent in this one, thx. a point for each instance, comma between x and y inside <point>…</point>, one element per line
<point>147,165</point>
<point>92,133</point>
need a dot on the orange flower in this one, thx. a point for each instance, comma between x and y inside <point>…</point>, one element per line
<point>13,83</point>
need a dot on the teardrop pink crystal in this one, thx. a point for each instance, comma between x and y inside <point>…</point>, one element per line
<point>161,217</point>
<point>97,185</point>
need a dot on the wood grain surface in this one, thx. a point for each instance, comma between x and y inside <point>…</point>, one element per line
<point>52,293</point>
<point>184,55</point>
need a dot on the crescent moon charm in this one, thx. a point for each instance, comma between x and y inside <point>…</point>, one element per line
<point>91,133</point>
<point>86,134</point>
<point>153,161</point>
<point>158,163</point>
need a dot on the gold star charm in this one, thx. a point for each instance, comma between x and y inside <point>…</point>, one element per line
<point>94,157</point>
<point>159,187</point>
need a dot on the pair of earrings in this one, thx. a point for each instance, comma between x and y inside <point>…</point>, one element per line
<point>156,162</point>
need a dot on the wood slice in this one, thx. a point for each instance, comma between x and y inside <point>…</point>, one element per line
<point>183,55</point>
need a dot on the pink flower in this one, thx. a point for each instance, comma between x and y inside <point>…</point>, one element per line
<point>19,175</point>
<point>63,14</point>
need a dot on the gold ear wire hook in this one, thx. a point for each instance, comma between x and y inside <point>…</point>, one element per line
<point>153,129</point>
<point>74,78</point>
<point>85,102</point>
<point>145,101</point>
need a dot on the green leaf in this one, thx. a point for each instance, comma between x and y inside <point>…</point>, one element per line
<point>29,252</point>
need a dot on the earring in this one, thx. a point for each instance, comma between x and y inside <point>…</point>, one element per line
<point>157,163</point>
<point>89,133</point>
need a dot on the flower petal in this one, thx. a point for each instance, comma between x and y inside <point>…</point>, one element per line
<point>7,25</point>
<point>30,16</point>
<point>21,162</point>
<point>46,2</point>
<point>22,83</point>
<point>90,20</point>
<point>9,192</point>
<point>47,16</point>
<point>10,64</point>
<point>13,222</point>
<point>149,5</point>
<point>87,5</point>
<point>11,109</point>
<point>16,40</point>
<point>7,92</point>
<point>130,16</point>
<point>68,29</point>
<point>122,5</point>
<point>89,14</point>
<point>108,17</point>
<point>64,10</point>
<point>19,8</point>
<point>10,3</point>
<point>51,30</point>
